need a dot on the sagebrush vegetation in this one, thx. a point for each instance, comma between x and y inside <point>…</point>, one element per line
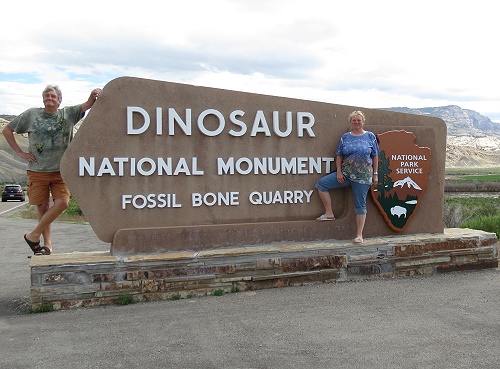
<point>473,212</point>
<point>481,213</point>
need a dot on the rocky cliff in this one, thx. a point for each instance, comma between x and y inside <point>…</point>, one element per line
<point>460,122</point>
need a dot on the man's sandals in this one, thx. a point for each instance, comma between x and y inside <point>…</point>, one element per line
<point>36,248</point>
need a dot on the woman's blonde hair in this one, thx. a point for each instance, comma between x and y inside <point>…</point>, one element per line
<point>357,112</point>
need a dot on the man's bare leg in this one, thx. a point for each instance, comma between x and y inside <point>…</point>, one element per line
<point>46,220</point>
<point>47,242</point>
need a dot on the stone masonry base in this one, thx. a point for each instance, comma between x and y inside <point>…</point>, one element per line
<point>98,278</point>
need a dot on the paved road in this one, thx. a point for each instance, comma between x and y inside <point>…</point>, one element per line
<point>8,206</point>
<point>443,321</point>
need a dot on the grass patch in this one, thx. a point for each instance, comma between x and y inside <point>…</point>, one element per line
<point>45,308</point>
<point>72,214</point>
<point>472,171</point>
<point>219,292</point>
<point>125,300</point>
<point>473,174</point>
<point>473,207</point>
<point>472,180</point>
<point>481,178</point>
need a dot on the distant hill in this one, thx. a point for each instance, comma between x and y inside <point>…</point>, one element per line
<point>460,122</point>
<point>7,118</point>
<point>12,167</point>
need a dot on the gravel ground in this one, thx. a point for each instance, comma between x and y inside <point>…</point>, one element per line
<point>442,321</point>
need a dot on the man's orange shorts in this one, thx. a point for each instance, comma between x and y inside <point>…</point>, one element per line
<point>42,184</point>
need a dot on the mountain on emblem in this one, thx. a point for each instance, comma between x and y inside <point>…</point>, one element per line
<point>407,181</point>
<point>403,173</point>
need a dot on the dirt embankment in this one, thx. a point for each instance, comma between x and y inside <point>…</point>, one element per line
<point>472,186</point>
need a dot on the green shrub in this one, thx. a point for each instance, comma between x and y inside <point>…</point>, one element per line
<point>482,213</point>
<point>461,209</point>
<point>484,223</point>
<point>73,208</point>
<point>235,289</point>
<point>125,300</point>
<point>45,308</point>
<point>219,292</point>
<point>487,210</point>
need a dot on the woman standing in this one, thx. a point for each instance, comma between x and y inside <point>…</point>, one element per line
<point>357,165</point>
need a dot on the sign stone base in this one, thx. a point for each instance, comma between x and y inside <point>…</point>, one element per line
<point>204,237</point>
<point>99,278</point>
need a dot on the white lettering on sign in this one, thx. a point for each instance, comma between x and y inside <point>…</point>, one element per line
<point>409,171</point>
<point>211,199</point>
<point>409,164</point>
<point>122,166</point>
<point>280,197</point>
<point>144,166</point>
<point>408,157</point>
<point>255,198</point>
<point>304,123</point>
<point>300,165</point>
<point>162,200</point>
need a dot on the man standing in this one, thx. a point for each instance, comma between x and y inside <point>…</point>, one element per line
<point>50,131</point>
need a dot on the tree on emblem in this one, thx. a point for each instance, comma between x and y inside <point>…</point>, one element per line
<point>385,182</point>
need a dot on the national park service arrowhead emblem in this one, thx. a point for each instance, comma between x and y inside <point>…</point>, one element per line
<point>403,173</point>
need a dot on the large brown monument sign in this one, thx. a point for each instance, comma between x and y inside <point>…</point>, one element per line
<point>160,166</point>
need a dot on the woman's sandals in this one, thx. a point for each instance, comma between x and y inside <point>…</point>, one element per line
<point>323,217</point>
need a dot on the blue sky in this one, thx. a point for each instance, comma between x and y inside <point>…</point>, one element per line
<point>364,53</point>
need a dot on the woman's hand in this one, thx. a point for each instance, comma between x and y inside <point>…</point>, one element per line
<point>340,177</point>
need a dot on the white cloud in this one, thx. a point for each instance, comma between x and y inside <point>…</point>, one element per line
<point>361,53</point>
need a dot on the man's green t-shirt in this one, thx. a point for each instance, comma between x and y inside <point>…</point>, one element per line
<point>49,134</point>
